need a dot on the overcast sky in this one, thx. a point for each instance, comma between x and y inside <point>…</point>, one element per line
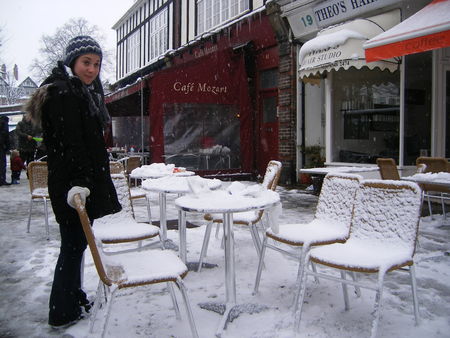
<point>23,22</point>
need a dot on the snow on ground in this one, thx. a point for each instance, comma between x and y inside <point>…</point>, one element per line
<point>28,260</point>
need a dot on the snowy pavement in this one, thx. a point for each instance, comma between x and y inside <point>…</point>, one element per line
<point>28,260</point>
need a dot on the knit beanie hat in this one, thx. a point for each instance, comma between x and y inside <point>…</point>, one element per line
<point>80,45</point>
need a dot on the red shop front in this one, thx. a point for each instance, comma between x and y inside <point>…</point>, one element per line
<point>200,115</point>
<point>206,109</point>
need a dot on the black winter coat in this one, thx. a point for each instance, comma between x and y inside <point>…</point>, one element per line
<point>75,145</point>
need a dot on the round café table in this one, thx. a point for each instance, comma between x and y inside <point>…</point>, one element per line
<point>223,202</point>
<point>172,184</point>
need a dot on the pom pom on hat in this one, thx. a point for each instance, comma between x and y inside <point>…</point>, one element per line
<point>80,45</point>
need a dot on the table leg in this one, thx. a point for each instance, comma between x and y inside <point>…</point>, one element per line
<point>230,310</point>
<point>162,216</point>
<point>182,234</point>
<point>230,278</point>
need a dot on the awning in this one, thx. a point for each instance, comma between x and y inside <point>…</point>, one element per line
<point>428,29</point>
<point>127,101</point>
<point>341,46</point>
<point>126,91</point>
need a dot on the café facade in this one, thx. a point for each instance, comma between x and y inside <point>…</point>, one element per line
<point>210,105</point>
<point>357,110</point>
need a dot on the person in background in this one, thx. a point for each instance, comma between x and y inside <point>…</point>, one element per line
<point>27,144</point>
<point>17,166</point>
<point>4,147</point>
<point>69,108</point>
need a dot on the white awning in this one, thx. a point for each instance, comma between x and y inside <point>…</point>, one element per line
<point>428,29</point>
<point>341,46</point>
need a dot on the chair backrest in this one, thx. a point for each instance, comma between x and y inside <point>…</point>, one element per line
<point>387,211</point>
<point>388,169</point>
<point>434,164</point>
<point>116,167</point>
<point>337,197</point>
<point>94,245</point>
<point>133,162</point>
<point>272,175</point>
<point>123,192</point>
<point>37,175</point>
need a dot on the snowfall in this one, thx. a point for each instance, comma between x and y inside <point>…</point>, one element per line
<point>28,261</point>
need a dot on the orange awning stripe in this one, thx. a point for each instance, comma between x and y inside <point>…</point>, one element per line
<point>409,46</point>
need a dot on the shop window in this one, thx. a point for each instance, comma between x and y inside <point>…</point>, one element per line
<point>365,115</point>
<point>133,50</point>
<point>418,87</point>
<point>127,131</point>
<point>447,114</point>
<point>269,79</point>
<point>158,34</point>
<point>202,136</point>
<point>211,13</point>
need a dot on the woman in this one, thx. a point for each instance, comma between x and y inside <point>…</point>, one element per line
<point>72,115</point>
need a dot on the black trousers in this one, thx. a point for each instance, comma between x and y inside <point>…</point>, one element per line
<point>66,296</point>
<point>2,166</point>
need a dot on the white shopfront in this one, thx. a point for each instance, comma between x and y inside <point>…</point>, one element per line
<point>357,110</point>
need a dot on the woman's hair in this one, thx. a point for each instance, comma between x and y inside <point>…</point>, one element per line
<point>14,153</point>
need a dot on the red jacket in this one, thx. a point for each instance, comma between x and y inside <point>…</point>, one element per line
<point>17,164</point>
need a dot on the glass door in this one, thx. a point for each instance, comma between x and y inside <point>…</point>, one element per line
<point>447,112</point>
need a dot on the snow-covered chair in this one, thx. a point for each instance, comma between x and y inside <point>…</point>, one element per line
<point>434,165</point>
<point>249,218</point>
<point>382,239</point>
<point>122,227</point>
<point>331,224</point>
<point>116,167</point>
<point>388,169</point>
<point>37,178</point>
<point>131,270</point>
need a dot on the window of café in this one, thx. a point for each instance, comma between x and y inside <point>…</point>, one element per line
<point>365,115</point>
<point>418,93</point>
<point>127,131</point>
<point>202,136</point>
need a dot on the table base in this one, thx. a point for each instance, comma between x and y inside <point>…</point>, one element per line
<point>193,266</point>
<point>231,311</point>
<point>172,224</point>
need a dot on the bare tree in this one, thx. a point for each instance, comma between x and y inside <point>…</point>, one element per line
<point>12,93</point>
<point>53,46</point>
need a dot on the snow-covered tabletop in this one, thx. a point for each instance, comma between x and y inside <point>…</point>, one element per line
<point>222,201</point>
<point>327,170</point>
<point>176,184</point>
<point>157,170</point>
<point>441,179</point>
<point>226,202</point>
<point>172,184</point>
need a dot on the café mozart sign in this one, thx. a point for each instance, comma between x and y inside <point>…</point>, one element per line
<point>198,87</point>
<point>308,19</point>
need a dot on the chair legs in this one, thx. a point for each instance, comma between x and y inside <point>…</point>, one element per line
<point>149,211</point>
<point>254,233</point>
<point>260,265</point>
<point>29,215</point>
<point>182,289</point>
<point>47,228</point>
<point>112,293</point>
<point>378,288</point>
<point>205,245</point>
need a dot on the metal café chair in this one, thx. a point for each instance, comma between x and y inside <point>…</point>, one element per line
<point>132,270</point>
<point>331,224</point>
<point>429,191</point>
<point>251,218</point>
<point>37,178</point>
<point>383,239</point>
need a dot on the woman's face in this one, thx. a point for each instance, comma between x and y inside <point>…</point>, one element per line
<point>87,67</point>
